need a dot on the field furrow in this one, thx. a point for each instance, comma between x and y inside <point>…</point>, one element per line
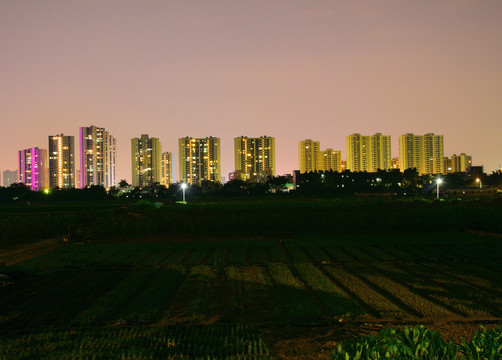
<point>294,305</point>
<point>422,287</point>
<point>394,293</point>
<point>378,304</point>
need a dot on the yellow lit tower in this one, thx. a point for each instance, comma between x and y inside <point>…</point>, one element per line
<point>357,152</point>
<point>146,161</point>
<point>368,153</point>
<point>432,154</point>
<point>167,165</point>
<point>380,154</point>
<point>61,161</point>
<point>255,157</point>
<point>309,155</point>
<point>460,163</point>
<point>199,159</point>
<point>423,152</point>
<point>331,160</point>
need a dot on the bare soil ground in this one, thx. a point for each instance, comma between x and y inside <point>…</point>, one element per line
<point>318,342</point>
<point>25,252</point>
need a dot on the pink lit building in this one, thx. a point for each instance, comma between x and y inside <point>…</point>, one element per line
<point>34,168</point>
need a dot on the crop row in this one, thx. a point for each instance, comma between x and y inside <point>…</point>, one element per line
<point>219,291</point>
<point>304,292</point>
<point>170,342</point>
<point>77,256</point>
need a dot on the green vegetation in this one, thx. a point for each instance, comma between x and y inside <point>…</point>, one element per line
<point>421,343</point>
<point>204,297</point>
<point>168,342</point>
<point>483,345</point>
<point>281,216</point>
<point>295,281</point>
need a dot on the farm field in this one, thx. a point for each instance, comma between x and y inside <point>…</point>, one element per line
<point>245,299</point>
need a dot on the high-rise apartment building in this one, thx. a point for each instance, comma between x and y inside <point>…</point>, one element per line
<point>9,177</point>
<point>199,159</point>
<point>146,161</point>
<point>309,155</point>
<point>330,160</point>
<point>423,152</point>
<point>61,161</point>
<point>460,163</point>
<point>34,168</point>
<point>255,157</point>
<point>97,157</point>
<point>368,153</point>
<point>167,166</point>
<point>357,152</point>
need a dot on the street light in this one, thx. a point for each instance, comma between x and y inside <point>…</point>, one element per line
<point>183,186</point>
<point>438,182</point>
<point>479,181</point>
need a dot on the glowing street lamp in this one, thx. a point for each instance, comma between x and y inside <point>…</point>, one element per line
<point>438,182</point>
<point>479,181</point>
<point>183,186</point>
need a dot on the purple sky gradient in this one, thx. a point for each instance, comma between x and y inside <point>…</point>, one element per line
<point>289,69</point>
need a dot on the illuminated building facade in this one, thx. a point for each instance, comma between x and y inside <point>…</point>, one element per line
<point>97,157</point>
<point>34,168</point>
<point>167,166</point>
<point>460,163</point>
<point>394,163</point>
<point>330,160</point>
<point>344,165</point>
<point>423,152</point>
<point>146,161</point>
<point>61,161</point>
<point>368,153</point>
<point>255,157</point>
<point>447,165</point>
<point>309,155</point>
<point>237,175</point>
<point>199,159</point>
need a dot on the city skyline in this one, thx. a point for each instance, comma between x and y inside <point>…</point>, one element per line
<point>292,71</point>
<point>200,159</point>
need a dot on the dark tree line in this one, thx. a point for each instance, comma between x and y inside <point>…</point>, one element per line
<point>391,181</point>
<point>329,183</point>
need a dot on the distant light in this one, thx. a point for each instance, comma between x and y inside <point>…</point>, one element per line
<point>46,191</point>
<point>439,181</point>
<point>183,186</point>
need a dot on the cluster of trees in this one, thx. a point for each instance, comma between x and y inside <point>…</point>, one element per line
<point>21,193</point>
<point>273,184</point>
<point>309,184</point>
<point>392,181</point>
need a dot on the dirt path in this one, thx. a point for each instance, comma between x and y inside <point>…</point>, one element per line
<point>25,252</point>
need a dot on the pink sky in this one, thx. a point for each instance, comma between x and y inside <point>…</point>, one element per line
<point>289,69</point>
